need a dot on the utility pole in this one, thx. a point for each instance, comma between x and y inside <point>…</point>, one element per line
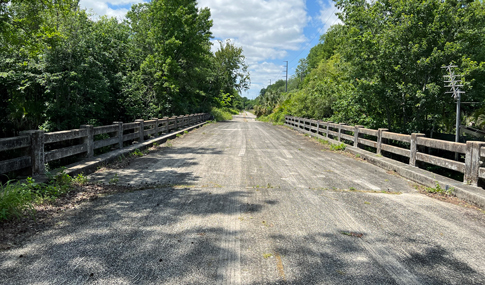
<point>454,85</point>
<point>286,88</point>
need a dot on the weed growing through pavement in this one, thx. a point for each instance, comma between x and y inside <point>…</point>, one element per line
<point>186,132</point>
<point>114,180</point>
<point>137,152</point>
<point>440,190</point>
<point>169,143</point>
<point>80,179</point>
<point>178,135</point>
<point>336,147</point>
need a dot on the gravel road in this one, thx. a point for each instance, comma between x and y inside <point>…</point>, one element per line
<point>245,202</point>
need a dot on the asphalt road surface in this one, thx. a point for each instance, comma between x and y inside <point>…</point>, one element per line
<point>246,202</point>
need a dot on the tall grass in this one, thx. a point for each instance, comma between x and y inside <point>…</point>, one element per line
<point>18,199</point>
<point>15,200</point>
<point>221,114</point>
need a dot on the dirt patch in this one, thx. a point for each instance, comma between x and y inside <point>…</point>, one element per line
<point>14,232</point>
<point>448,198</point>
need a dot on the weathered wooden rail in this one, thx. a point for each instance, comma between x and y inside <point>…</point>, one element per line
<point>410,146</point>
<point>31,145</point>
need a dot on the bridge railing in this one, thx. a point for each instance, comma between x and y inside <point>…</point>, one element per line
<point>31,150</point>
<point>400,146</point>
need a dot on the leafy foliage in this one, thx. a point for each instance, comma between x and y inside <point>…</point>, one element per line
<point>19,198</point>
<point>382,68</point>
<point>60,68</point>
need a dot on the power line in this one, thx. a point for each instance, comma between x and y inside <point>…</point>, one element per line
<point>319,32</point>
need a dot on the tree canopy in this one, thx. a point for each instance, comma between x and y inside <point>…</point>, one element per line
<point>383,66</point>
<point>61,67</point>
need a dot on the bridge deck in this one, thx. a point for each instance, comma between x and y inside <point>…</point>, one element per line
<point>244,202</point>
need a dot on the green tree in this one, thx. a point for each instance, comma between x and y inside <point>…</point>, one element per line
<point>396,50</point>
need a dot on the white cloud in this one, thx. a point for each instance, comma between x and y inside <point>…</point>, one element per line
<point>327,16</point>
<point>101,7</point>
<point>265,30</point>
<point>262,73</point>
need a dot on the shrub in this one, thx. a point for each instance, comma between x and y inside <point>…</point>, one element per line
<point>340,146</point>
<point>221,114</point>
<point>137,152</point>
<point>15,200</point>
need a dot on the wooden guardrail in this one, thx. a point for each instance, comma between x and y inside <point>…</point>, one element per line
<point>410,145</point>
<point>31,145</point>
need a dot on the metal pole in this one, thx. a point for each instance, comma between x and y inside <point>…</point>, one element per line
<point>458,119</point>
<point>455,90</point>
<point>286,88</point>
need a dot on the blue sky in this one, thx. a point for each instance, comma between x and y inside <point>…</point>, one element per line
<point>269,31</point>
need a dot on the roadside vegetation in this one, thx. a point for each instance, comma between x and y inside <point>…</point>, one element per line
<point>18,198</point>
<point>223,114</point>
<point>382,68</point>
<point>61,66</point>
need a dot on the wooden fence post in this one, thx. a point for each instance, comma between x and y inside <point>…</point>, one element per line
<point>413,150</point>
<point>141,130</point>
<point>379,139</point>
<point>119,133</point>
<point>155,134</point>
<point>340,131</point>
<point>356,135</point>
<point>88,140</point>
<point>472,162</point>
<point>36,151</point>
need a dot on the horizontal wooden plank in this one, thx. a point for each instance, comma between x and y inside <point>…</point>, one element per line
<point>369,132</point>
<point>15,164</point>
<point>368,142</point>
<point>333,125</point>
<point>130,126</point>
<point>64,152</point>
<point>443,162</point>
<point>14,143</point>
<point>149,132</point>
<point>332,133</point>
<point>132,136</point>
<point>347,137</point>
<point>396,137</point>
<point>347,128</point>
<point>106,142</point>
<point>440,144</point>
<point>64,135</point>
<point>396,150</point>
<point>149,123</point>
<point>105,129</point>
